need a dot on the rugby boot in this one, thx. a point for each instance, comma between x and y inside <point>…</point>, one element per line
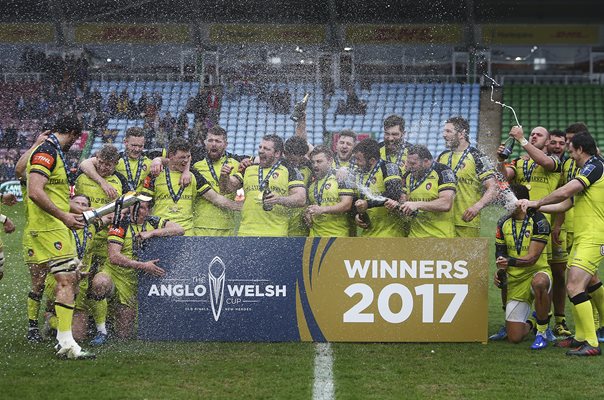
<point>100,339</point>
<point>568,343</point>
<point>561,330</point>
<point>600,334</point>
<point>585,350</point>
<point>33,335</point>
<point>501,334</point>
<point>540,342</point>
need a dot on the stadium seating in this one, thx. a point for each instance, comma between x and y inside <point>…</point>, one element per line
<point>247,118</point>
<point>554,107</point>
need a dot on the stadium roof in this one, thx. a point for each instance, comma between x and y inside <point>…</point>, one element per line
<point>302,11</point>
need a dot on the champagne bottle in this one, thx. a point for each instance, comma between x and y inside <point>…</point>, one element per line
<point>299,108</point>
<point>364,217</point>
<point>265,194</point>
<point>508,148</point>
<point>503,278</point>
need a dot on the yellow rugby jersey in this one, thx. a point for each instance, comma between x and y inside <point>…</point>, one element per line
<point>173,201</point>
<point>570,169</point>
<point>509,230</point>
<point>254,220</point>
<point>296,226</point>
<point>428,223</point>
<point>471,171</point>
<point>134,170</point>
<point>98,197</point>
<point>45,160</point>
<point>589,203</point>
<point>400,158</point>
<point>537,179</point>
<point>207,215</point>
<point>327,192</point>
<point>383,224</point>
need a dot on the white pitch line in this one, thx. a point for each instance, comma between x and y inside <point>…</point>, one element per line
<point>323,388</point>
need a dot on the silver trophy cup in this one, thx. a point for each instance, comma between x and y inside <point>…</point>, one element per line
<point>130,198</point>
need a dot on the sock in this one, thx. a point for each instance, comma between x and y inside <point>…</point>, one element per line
<point>99,313</point>
<point>65,316</point>
<point>584,321</point>
<point>33,309</point>
<point>596,292</point>
<point>542,326</point>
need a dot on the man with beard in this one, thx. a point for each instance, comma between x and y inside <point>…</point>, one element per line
<point>271,187</point>
<point>476,185</point>
<point>52,244</point>
<point>216,167</point>
<point>376,180</point>
<point>429,192</point>
<point>540,173</point>
<point>394,147</point>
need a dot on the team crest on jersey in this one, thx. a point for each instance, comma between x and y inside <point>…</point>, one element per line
<point>428,185</point>
<point>602,250</point>
<point>30,252</point>
<point>327,186</point>
<point>89,235</point>
<point>144,167</point>
<point>58,245</point>
<point>527,234</point>
<point>373,180</point>
<point>43,159</point>
<point>275,175</point>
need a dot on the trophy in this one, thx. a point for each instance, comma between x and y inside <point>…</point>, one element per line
<point>127,200</point>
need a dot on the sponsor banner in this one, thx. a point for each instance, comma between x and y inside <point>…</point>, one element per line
<point>541,34</point>
<point>315,289</point>
<point>132,33</point>
<point>265,33</point>
<point>13,187</point>
<point>396,34</point>
<point>27,33</point>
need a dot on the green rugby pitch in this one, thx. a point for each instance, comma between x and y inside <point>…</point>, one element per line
<point>173,370</point>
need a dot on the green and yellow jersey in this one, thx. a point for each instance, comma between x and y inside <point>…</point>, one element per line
<point>175,202</point>
<point>374,183</point>
<point>400,158</point>
<point>124,234</point>
<point>297,227</point>
<point>513,239</point>
<point>471,171</point>
<point>327,192</point>
<point>280,179</point>
<point>537,179</point>
<point>209,217</point>
<point>134,170</point>
<point>429,223</point>
<point>45,160</point>
<point>570,169</point>
<point>589,203</point>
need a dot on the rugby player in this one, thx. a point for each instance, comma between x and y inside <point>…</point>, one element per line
<point>476,184</point>
<point>429,189</point>
<point>177,205</point>
<point>118,279</point>
<point>294,153</point>
<point>394,147</point>
<point>216,168</point>
<point>329,199</point>
<point>132,164</point>
<point>519,244</point>
<point>52,246</point>
<point>376,181</point>
<point>583,283</point>
<point>286,187</point>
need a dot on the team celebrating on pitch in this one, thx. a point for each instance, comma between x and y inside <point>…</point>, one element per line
<point>548,245</point>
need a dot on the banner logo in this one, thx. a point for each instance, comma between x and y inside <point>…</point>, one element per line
<point>216,275</point>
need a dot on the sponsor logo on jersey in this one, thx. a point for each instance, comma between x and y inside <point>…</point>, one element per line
<point>43,159</point>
